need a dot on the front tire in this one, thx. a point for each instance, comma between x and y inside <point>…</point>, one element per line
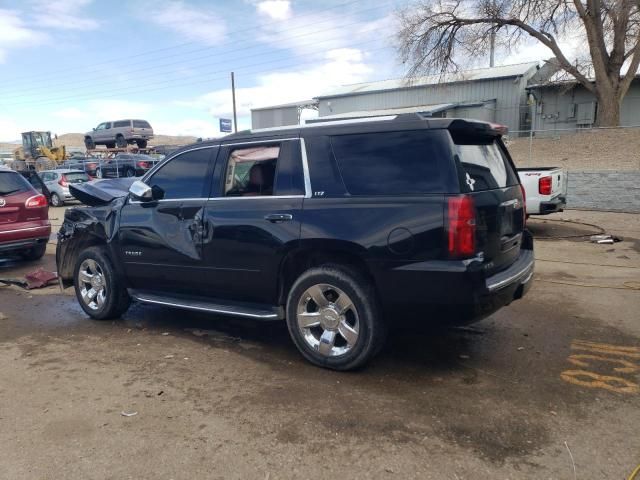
<point>334,318</point>
<point>98,173</point>
<point>129,173</point>
<point>99,290</point>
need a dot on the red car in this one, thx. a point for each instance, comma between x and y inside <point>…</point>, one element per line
<point>24,219</point>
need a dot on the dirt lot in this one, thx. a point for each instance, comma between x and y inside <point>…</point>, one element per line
<point>546,382</point>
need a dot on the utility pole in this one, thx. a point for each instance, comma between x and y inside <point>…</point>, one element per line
<point>233,95</point>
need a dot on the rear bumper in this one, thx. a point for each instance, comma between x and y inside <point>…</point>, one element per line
<point>552,206</point>
<point>453,292</point>
<point>25,232</point>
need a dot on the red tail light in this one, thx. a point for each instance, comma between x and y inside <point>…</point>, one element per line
<point>143,164</point>
<point>461,217</point>
<point>91,166</point>
<point>544,186</point>
<point>37,201</point>
<point>63,181</point>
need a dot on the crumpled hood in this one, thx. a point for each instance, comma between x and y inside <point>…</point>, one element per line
<point>101,192</point>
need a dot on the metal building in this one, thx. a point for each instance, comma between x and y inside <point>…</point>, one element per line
<point>280,115</point>
<point>568,105</point>
<point>496,94</point>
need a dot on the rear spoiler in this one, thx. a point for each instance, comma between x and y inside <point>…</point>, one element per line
<point>476,128</point>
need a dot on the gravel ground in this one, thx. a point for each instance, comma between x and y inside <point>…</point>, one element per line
<point>216,398</point>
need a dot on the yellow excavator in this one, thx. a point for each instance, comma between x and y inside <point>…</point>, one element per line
<point>38,153</point>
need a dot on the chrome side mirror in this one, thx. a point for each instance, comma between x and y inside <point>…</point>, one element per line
<point>141,191</point>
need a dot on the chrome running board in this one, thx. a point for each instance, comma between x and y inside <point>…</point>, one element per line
<point>247,310</point>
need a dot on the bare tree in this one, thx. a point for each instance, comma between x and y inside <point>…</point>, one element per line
<point>436,35</point>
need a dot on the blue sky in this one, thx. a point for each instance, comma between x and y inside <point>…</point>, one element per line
<point>67,65</point>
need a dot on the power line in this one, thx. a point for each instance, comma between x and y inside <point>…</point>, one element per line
<point>100,71</point>
<point>145,89</point>
<point>84,82</point>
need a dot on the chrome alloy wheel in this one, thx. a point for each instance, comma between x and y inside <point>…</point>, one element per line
<point>328,320</point>
<point>92,283</point>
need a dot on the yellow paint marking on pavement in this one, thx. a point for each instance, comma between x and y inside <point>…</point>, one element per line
<point>595,380</point>
<point>607,349</point>
<point>627,366</point>
<point>603,353</point>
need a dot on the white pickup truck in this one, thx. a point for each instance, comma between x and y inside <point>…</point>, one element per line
<point>545,189</point>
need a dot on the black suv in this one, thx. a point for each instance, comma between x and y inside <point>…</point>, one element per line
<point>343,228</point>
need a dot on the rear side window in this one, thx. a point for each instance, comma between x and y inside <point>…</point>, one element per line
<point>391,163</point>
<point>141,124</point>
<point>122,123</point>
<point>485,166</point>
<point>11,182</point>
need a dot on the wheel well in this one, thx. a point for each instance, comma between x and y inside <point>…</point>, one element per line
<point>299,261</point>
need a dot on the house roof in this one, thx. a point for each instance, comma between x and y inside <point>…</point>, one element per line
<point>490,73</point>
<point>301,103</point>
<point>424,109</point>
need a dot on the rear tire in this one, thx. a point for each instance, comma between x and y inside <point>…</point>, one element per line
<point>98,173</point>
<point>110,145</point>
<point>129,172</point>
<point>334,318</point>
<point>89,143</point>
<point>99,290</point>
<point>121,142</point>
<point>56,201</point>
<point>35,253</point>
<point>141,143</point>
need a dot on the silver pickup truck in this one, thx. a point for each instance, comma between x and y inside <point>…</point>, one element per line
<point>545,189</point>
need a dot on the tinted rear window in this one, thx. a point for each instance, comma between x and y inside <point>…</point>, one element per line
<point>11,182</point>
<point>141,124</point>
<point>76,177</point>
<point>485,166</point>
<point>391,163</point>
<point>122,123</point>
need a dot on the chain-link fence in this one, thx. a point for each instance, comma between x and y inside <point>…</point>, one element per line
<point>578,148</point>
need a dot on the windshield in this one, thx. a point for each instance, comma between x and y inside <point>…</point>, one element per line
<point>11,182</point>
<point>42,139</point>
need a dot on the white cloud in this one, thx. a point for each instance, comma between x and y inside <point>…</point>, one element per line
<point>192,127</point>
<point>103,109</point>
<point>338,67</point>
<point>201,25</point>
<point>275,9</point>
<point>63,14</point>
<point>14,33</point>
<point>9,130</point>
<point>70,113</point>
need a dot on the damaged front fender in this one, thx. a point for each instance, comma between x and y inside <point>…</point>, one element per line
<point>85,227</point>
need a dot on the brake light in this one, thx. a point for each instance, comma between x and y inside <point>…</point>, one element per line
<point>544,185</point>
<point>37,201</point>
<point>461,217</point>
<point>524,204</point>
<point>143,164</point>
<point>92,166</point>
<point>63,181</point>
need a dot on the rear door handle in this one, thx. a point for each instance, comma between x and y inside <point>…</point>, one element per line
<point>279,217</point>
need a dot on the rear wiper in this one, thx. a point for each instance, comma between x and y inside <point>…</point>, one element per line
<point>10,192</point>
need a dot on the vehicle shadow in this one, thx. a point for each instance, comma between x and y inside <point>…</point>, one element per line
<point>423,348</point>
